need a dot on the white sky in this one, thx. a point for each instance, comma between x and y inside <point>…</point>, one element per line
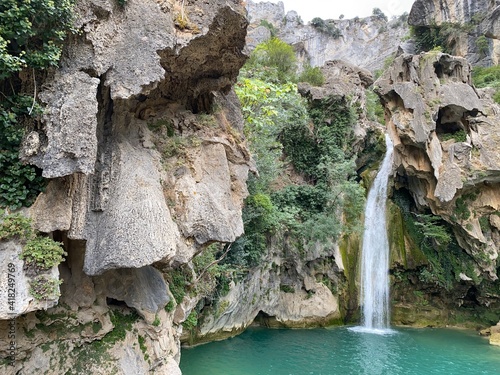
<point>326,9</point>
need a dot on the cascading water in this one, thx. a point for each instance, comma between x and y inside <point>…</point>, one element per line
<point>375,252</point>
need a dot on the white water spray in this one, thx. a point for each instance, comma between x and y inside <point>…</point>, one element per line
<point>375,252</point>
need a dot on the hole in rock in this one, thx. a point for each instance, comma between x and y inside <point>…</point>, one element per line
<point>203,103</point>
<point>452,119</point>
<point>115,302</point>
<point>438,69</point>
<point>470,299</point>
<point>265,320</point>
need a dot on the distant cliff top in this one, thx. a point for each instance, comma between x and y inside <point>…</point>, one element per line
<point>365,42</point>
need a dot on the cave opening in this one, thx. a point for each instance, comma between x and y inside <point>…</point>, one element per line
<point>438,69</point>
<point>470,299</point>
<point>115,302</point>
<point>264,320</point>
<point>452,122</point>
<point>203,103</point>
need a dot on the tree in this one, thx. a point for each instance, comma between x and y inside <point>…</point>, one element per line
<point>377,12</point>
<point>327,27</point>
<point>277,54</point>
<point>32,33</point>
<point>31,38</point>
<point>312,75</point>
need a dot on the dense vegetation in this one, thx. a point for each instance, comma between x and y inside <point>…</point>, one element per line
<point>306,184</point>
<point>488,77</point>
<point>31,37</point>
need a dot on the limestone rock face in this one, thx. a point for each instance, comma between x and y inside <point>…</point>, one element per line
<point>283,294</point>
<point>142,141</point>
<point>446,142</point>
<point>70,138</point>
<point>364,42</point>
<point>117,202</point>
<point>476,17</point>
<point>265,10</point>
<point>424,12</point>
<point>144,289</point>
<point>15,285</point>
<point>208,213</point>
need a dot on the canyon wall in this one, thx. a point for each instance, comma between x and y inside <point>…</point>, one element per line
<point>365,42</point>
<point>475,23</point>
<point>141,142</point>
<point>445,134</point>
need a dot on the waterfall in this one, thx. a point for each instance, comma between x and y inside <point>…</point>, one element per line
<point>375,252</point>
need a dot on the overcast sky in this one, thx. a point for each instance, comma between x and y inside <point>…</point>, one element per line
<point>326,9</point>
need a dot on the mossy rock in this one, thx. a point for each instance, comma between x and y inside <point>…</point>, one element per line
<point>403,251</point>
<point>415,316</point>
<point>350,250</point>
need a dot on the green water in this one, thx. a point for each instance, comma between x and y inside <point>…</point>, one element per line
<point>342,351</point>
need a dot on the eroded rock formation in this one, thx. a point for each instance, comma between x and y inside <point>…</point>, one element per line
<point>141,140</point>
<point>471,19</point>
<point>446,141</point>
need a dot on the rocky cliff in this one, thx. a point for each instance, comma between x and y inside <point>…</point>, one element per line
<point>142,143</point>
<point>473,26</point>
<point>141,140</point>
<point>446,141</point>
<point>299,284</point>
<point>365,42</point>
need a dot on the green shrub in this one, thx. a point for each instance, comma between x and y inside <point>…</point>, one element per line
<point>462,204</point>
<point>431,229</point>
<point>32,33</point>
<point>31,38</point>
<point>142,345</point>
<point>170,306</point>
<point>483,45</point>
<point>178,283</point>
<point>377,13</point>
<point>44,287</point>
<point>374,109</point>
<point>286,136</point>
<point>314,76</point>
<point>277,54</point>
<point>16,226</point>
<point>433,236</point>
<point>268,25</point>
<point>326,27</point>
<point>156,322</point>
<point>458,136</point>
<point>488,77</point>
<point>19,184</point>
<point>287,288</point>
<point>191,321</point>
<point>42,253</point>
